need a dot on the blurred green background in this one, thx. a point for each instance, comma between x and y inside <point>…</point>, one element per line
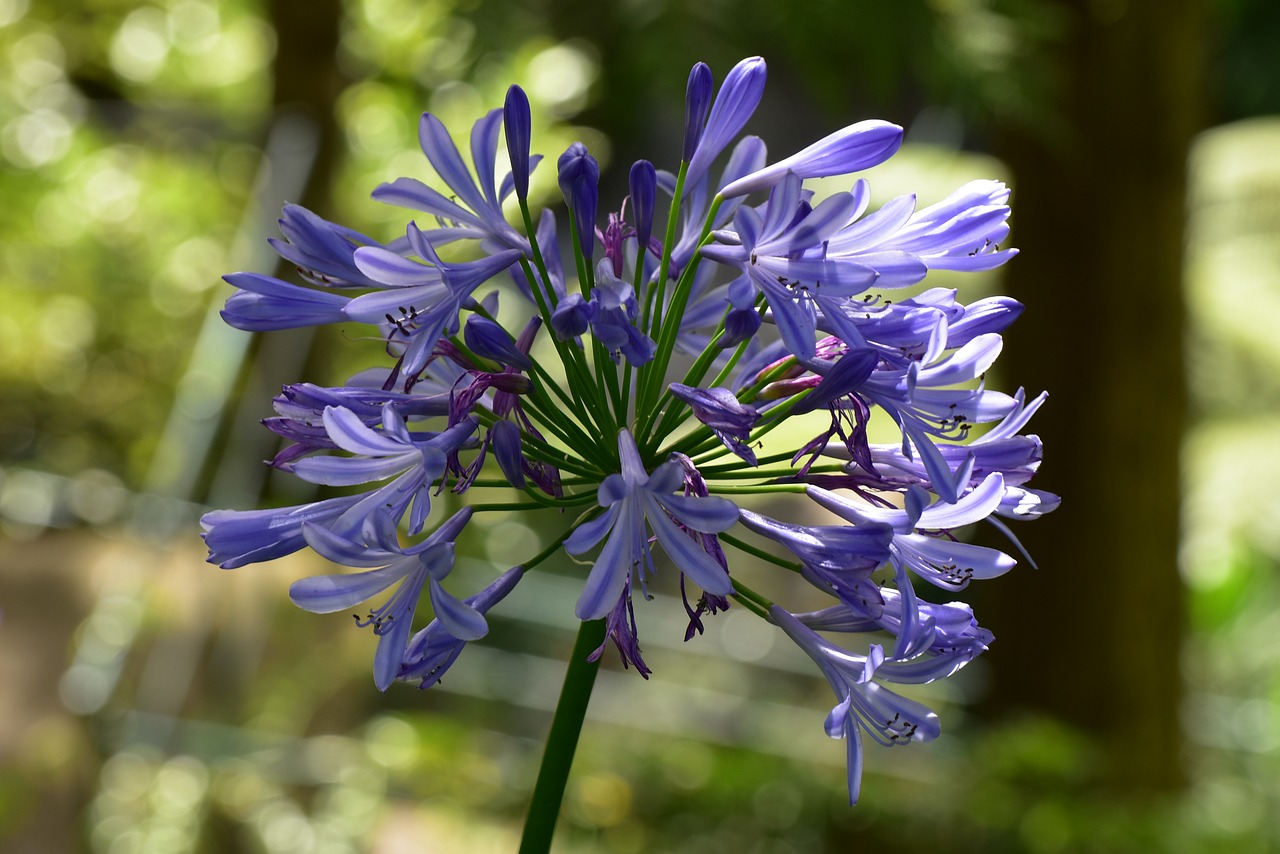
<point>152,703</point>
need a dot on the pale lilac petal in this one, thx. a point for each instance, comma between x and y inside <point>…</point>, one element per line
<point>588,534</point>
<point>412,193</point>
<point>608,577</point>
<point>324,594</point>
<point>351,434</point>
<point>445,159</point>
<point>687,553</point>
<point>850,149</point>
<point>394,270</point>
<point>458,618</point>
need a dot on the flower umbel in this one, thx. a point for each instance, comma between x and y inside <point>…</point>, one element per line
<point>638,403</point>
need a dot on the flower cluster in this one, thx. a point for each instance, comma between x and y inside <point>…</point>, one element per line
<point>634,402</point>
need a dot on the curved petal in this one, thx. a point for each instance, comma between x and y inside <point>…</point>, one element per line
<point>687,553</point>
<point>351,434</point>
<point>586,535</point>
<point>458,618</point>
<point>394,270</point>
<point>973,506</point>
<point>343,550</point>
<point>415,195</point>
<point>445,159</point>
<point>324,594</point>
<point>349,471</point>
<point>958,562</point>
<point>484,154</point>
<point>374,307</point>
<point>707,514</point>
<point>612,569</point>
<point>393,639</point>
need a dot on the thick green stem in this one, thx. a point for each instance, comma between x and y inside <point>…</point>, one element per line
<point>548,792</point>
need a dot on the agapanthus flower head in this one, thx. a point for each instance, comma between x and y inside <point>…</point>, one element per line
<point>744,347</point>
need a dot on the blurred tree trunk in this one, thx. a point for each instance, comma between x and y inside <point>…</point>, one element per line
<point>303,125</point>
<point>308,80</point>
<point>1094,636</point>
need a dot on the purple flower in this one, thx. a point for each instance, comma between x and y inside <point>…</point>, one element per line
<point>630,498</point>
<point>852,149</point>
<point>572,317</point>
<point>300,413</point>
<point>474,212</point>
<point>461,403</point>
<point>433,649</point>
<point>264,303</point>
<point>837,559</point>
<point>421,301</point>
<point>613,314</point>
<point>322,251</point>
<point>697,102</point>
<point>921,541</point>
<point>735,102</point>
<point>720,410</point>
<point>239,537</point>
<point>864,706</point>
<point>505,437</point>
<point>579,176</point>
<point>410,568</point>
<point>411,463</point>
<point>489,340</point>
<point>644,191</point>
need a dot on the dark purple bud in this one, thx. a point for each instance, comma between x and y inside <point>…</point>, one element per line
<point>571,317</point>
<point>697,102</point>
<point>516,125</point>
<point>644,192</point>
<point>579,176</point>
<point>489,340</point>
<point>739,325</point>
<point>505,436</point>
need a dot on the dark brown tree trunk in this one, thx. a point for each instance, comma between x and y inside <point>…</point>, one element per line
<point>303,148</point>
<point>1094,635</point>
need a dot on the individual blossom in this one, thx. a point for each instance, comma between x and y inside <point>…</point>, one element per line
<point>434,649</point>
<point>410,464</point>
<point>852,149</point>
<point>420,301</point>
<point>921,539</point>
<point>733,106</point>
<point>864,706</point>
<point>720,410</point>
<point>474,211</point>
<point>579,176</point>
<point>410,568</point>
<point>631,499</point>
